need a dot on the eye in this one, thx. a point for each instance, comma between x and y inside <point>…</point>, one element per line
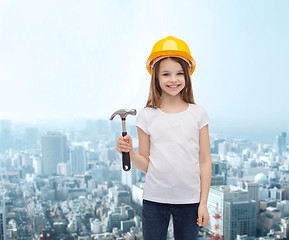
<point>165,74</point>
<point>180,73</point>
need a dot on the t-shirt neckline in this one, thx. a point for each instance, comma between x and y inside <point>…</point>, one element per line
<point>175,113</point>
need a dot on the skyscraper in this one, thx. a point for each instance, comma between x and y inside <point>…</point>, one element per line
<point>2,220</point>
<point>5,135</point>
<point>219,168</point>
<point>54,151</point>
<point>239,210</point>
<point>129,177</point>
<point>281,142</point>
<point>223,148</point>
<point>240,218</point>
<point>31,137</point>
<point>78,160</point>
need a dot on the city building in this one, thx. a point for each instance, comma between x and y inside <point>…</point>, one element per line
<point>2,220</point>
<point>224,216</point>
<point>54,151</point>
<point>78,160</point>
<point>240,218</point>
<point>281,142</point>
<point>5,135</point>
<point>31,137</point>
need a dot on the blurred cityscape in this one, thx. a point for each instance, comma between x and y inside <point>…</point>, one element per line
<point>64,181</point>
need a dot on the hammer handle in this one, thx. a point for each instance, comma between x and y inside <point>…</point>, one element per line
<point>125,158</point>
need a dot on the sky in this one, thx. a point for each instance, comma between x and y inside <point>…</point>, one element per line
<point>86,59</point>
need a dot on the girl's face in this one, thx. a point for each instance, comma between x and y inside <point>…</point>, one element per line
<point>171,77</point>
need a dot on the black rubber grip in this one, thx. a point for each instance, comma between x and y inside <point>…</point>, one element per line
<point>125,158</point>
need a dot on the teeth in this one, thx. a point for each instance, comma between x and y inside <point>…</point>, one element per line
<point>173,86</point>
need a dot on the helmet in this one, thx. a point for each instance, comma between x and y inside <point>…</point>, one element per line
<point>170,46</point>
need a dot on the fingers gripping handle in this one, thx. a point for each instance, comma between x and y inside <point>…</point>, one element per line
<point>125,158</point>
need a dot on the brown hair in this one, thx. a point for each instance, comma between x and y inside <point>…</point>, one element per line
<point>154,99</point>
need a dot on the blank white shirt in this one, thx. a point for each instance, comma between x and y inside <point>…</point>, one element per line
<point>173,174</point>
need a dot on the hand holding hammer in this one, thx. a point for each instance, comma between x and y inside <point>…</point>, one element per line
<point>124,143</point>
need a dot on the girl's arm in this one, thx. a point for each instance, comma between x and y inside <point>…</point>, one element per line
<point>205,164</point>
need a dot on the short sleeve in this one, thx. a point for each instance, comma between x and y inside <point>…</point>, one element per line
<point>204,118</point>
<point>141,121</point>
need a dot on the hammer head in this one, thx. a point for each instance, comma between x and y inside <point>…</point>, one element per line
<point>123,113</point>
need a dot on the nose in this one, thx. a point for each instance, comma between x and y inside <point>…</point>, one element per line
<point>173,79</point>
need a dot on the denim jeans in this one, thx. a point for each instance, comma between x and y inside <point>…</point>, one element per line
<point>156,217</point>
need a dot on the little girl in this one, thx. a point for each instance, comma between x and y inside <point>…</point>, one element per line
<point>174,146</point>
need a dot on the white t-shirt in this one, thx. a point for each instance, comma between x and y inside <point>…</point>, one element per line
<point>173,174</point>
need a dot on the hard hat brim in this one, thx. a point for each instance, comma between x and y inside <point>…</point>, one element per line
<point>173,53</point>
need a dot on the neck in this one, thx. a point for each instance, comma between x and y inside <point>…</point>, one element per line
<point>168,100</point>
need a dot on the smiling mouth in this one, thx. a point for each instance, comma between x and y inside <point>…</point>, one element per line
<point>173,86</point>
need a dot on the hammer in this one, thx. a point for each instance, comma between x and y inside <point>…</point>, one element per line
<point>125,155</point>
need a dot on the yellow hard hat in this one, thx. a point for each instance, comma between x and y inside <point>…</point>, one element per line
<point>170,46</point>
